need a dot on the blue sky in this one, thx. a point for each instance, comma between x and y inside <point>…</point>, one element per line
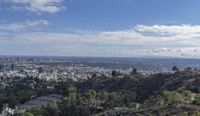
<point>125,28</point>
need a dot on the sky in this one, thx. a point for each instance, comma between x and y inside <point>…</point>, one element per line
<point>100,28</point>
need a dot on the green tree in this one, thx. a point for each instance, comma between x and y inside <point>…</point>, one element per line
<point>172,97</point>
<point>90,97</point>
<point>187,96</point>
<point>12,101</point>
<point>74,108</point>
<point>71,92</point>
<point>70,89</point>
<point>92,94</point>
<point>40,110</point>
<point>26,114</point>
<point>114,100</point>
<point>197,99</point>
<point>52,109</point>
<point>2,99</point>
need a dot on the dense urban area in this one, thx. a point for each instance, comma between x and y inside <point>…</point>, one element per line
<point>58,86</point>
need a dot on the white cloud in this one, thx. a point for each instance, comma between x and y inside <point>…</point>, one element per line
<point>38,6</point>
<point>190,52</point>
<point>178,41</point>
<point>173,29</point>
<point>20,26</point>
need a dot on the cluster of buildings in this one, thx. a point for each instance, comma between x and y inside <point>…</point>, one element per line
<point>50,70</point>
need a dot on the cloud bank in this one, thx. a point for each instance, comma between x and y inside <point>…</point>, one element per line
<point>140,41</point>
<point>20,26</point>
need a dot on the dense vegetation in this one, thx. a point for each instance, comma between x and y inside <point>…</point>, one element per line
<point>175,93</point>
<point>17,90</point>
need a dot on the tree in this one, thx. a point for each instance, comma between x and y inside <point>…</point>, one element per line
<point>114,73</point>
<point>2,99</point>
<point>91,97</point>
<point>134,71</point>
<point>71,92</point>
<point>38,111</point>
<point>94,75</point>
<point>12,101</point>
<point>26,114</point>
<point>40,70</point>
<point>197,99</point>
<point>52,109</point>
<point>188,69</point>
<point>91,94</point>
<point>175,68</point>
<point>114,100</point>
<point>74,108</point>
<point>71,89</point>
<point>173,97</point>
<point>187,96</point>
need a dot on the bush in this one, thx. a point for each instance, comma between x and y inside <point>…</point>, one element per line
<point>173,97</point>
<point>197,99</point>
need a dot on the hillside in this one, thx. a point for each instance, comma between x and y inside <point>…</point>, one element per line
<point>135,94</point>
